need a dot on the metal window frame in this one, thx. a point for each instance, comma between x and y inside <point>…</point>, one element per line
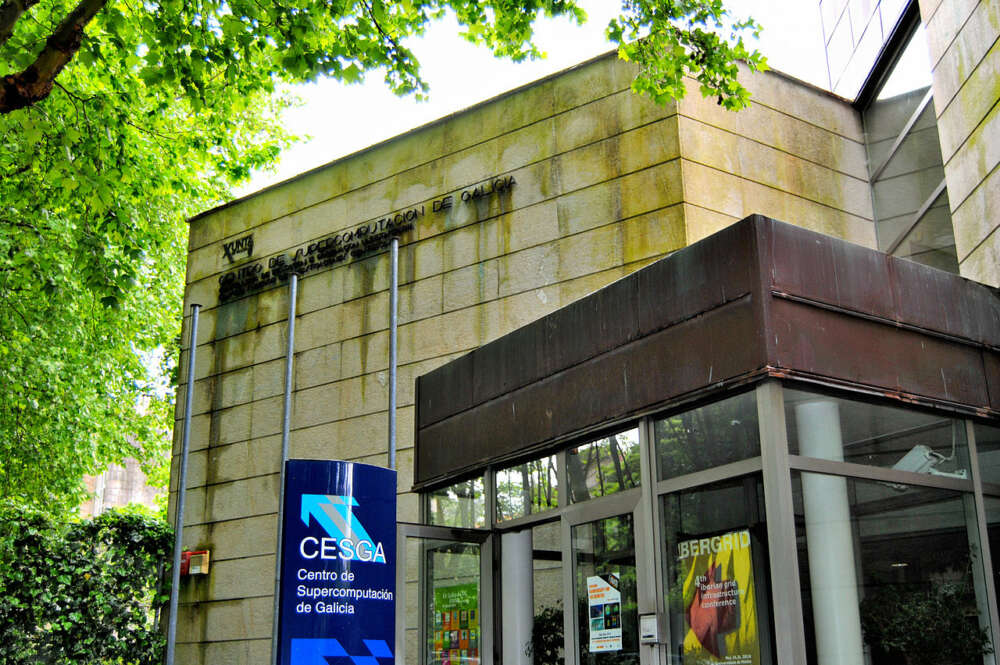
<point>485,539</point>
<point>928,96</point>
<point>984,539</point>
<point>652,527</point>
<point>917,216</point>
<point>715,474</point>
<point>970,490</point>
<point>783,555</point>
<point>614,505</point>
<point>887,58</point>
<point>877,474</point>
<point>901,35</point>
<point>774,464</point>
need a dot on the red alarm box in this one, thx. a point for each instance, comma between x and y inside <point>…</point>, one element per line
<point>195,563</point>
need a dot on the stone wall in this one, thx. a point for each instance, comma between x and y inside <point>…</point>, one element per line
<point>964,49</point>
<point>116,487</point>
<point>605,182</point>
<point>796,155</point>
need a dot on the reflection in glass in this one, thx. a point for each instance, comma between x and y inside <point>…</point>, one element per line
<point>546,556</point>
<point>527,488</point>
<point>708,436</point>
<point>992,504</point>
<point>875,435</point>
<point>716,573</point>
<point>603,467</point>
<point>413,648</point>
<point>462,504</point>
<point>891,578</point>
<point>452,593</point>
<point>607,606</point>
<point>988,452</point>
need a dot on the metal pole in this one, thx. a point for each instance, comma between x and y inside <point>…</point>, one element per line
<point>175,571</point>
<point>393,324</point>
<point>286,417</point>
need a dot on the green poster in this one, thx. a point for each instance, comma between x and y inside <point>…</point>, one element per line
<point>456,625</point>
<point>457,597</point>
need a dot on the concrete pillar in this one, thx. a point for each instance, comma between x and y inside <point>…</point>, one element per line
<point>829,539</point>
<point>517,598</point>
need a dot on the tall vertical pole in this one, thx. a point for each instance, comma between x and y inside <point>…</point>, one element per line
<point>175,579</point>
<point>286,417</point>
<point>393,324</point>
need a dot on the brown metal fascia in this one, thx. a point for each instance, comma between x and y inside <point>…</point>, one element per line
<point>686,401</point>
<point>894,323</point>
<point>763,252</point>
<point>842,385</point>
<point>678,289</point>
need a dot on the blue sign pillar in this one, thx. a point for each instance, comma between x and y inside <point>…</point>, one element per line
<point>338,574</point>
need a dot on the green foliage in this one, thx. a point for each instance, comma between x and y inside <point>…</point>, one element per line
<point>547,636</point>
<point>936,626</point>
<point>84,592</point>
<point>708,436</point>
<point>603,467</point>
<point>671,39</point>
<point>163,107</point>
<point>95,182</point>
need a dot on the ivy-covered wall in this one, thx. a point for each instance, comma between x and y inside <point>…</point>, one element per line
<point>82,592</point>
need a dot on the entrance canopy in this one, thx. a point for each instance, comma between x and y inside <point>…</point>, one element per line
<point>760,298</point>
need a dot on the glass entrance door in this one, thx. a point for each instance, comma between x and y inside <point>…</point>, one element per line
<point>569,591</point>
<point>605,591</point>
<point>606,600</point>
<point>444,596</point>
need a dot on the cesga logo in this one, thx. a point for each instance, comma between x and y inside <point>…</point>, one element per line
<point>346,537</point>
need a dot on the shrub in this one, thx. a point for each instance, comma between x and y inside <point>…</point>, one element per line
<point>81,592</point>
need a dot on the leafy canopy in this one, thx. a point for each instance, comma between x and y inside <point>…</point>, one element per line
<point>671,40</point>
<point>119,119</point>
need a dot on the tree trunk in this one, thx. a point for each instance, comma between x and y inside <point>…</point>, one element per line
<point>34,84</point>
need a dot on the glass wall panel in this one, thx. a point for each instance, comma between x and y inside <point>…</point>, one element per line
<point>462,504</point>
<point>607,605</point>
<point>604,466</point>
<point>932,240</point>
<point>547,571</point>
<point>452,602</point>
<point>716,575</point>
<point>709,436</point>
<point>532,605</point>
<point>887,573</point>
<point>526,489</point>
<point>414,649</point>
<point>905,165</point>
<point>863,433</point>
<point>988,449</point>
<point>993,532</point>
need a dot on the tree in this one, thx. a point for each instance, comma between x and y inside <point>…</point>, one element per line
<point>119,119</point>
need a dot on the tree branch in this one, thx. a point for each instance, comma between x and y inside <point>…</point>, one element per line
<point>393,47</point>
<point>34,84</point>
<point>10,11</point>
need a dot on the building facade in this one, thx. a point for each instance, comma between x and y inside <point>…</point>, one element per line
<point>116,487</point>
<point>511,211</point>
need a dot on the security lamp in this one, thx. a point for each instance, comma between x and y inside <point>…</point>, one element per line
<point>921,459</point>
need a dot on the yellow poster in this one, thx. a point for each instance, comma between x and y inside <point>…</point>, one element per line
<point>719,609</point>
